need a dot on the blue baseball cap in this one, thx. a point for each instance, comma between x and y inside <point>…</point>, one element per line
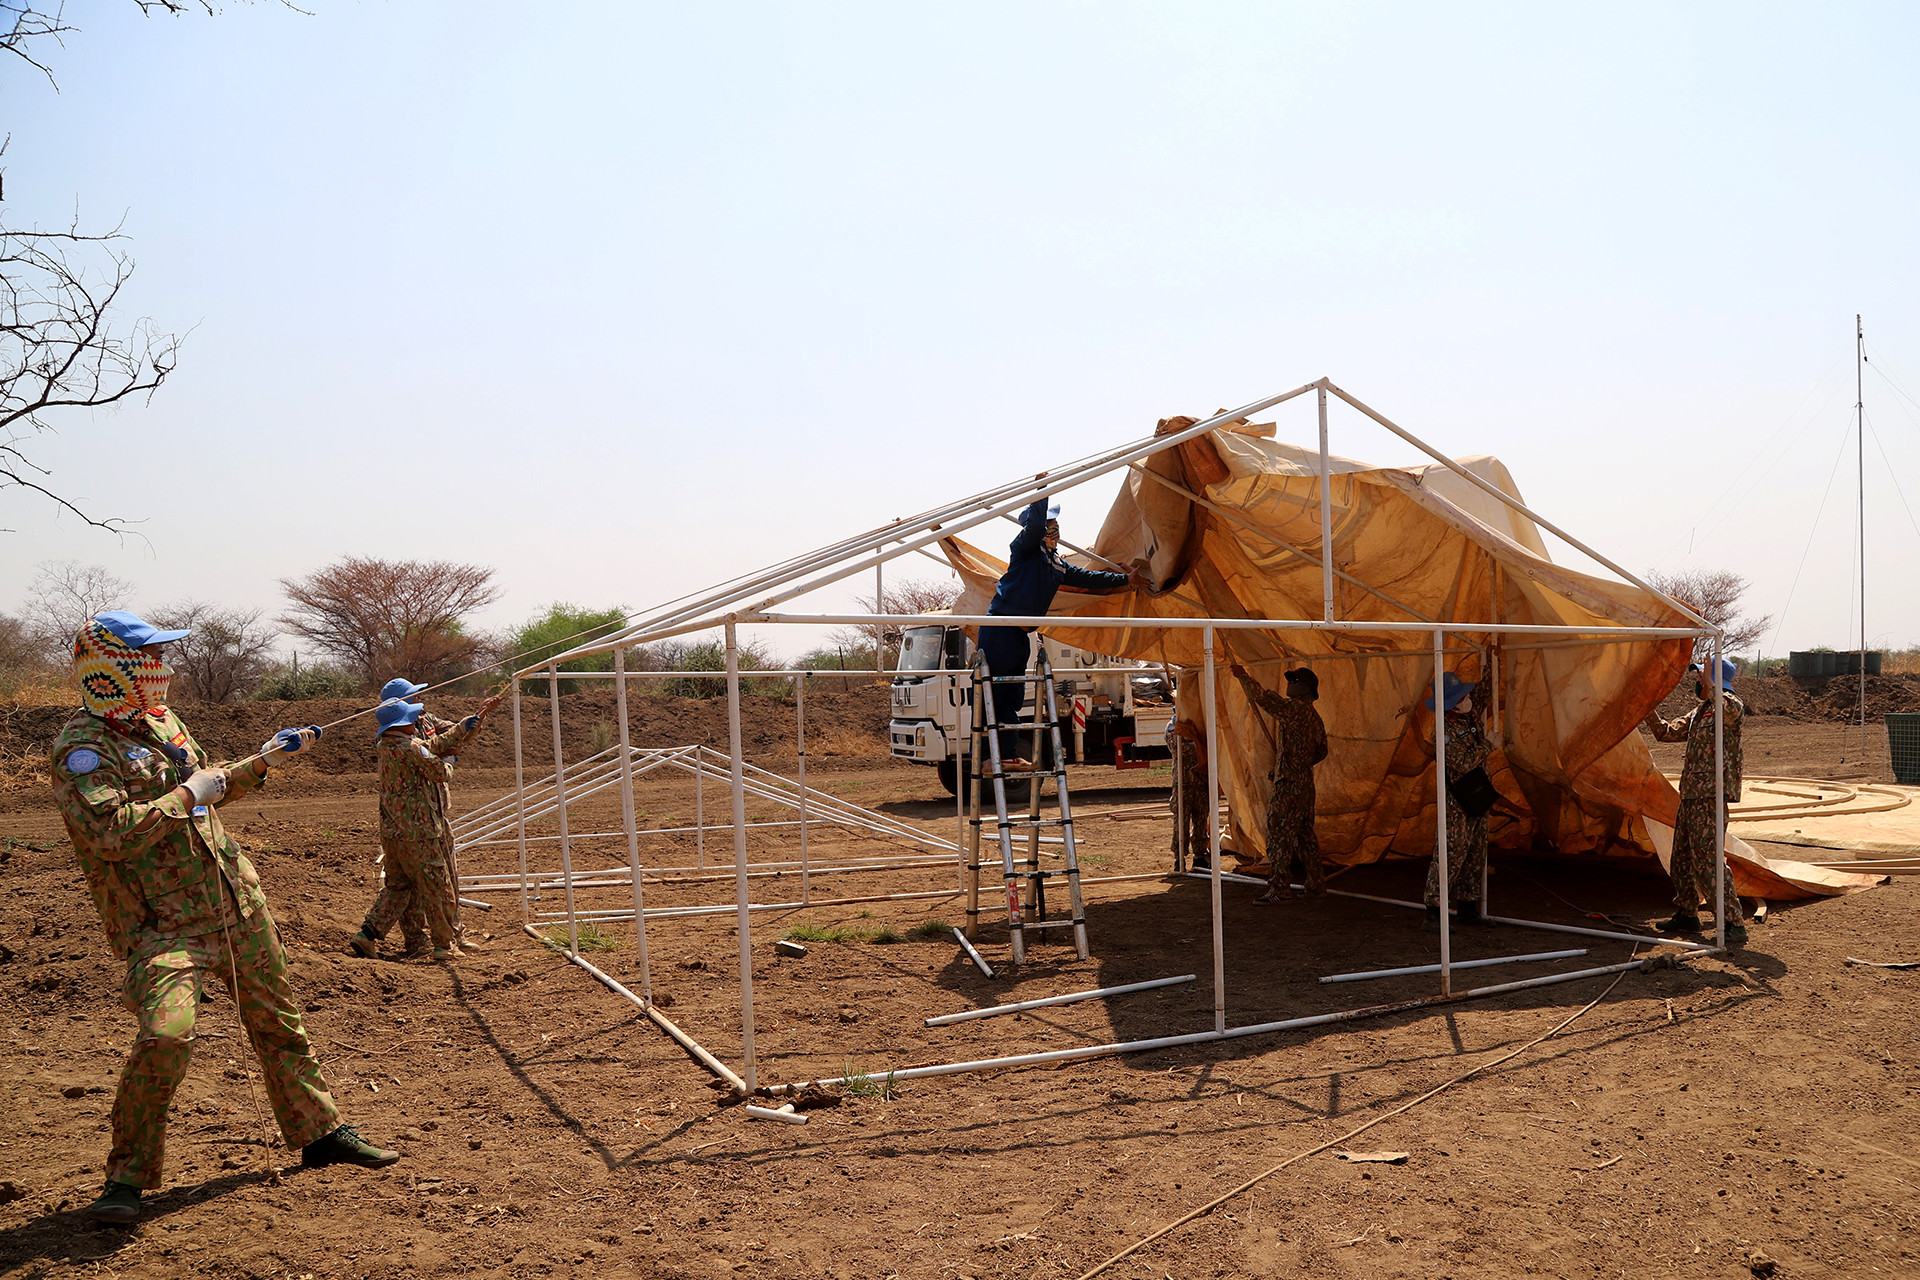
<point>1053,512</point>
<point>398,689</point>
<point>134,632</point>
<point>394,714</point>
<point>1452,689</point>
<point>1727,668</point>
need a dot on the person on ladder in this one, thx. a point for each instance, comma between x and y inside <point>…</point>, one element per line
<point>1696,831</point>
<point>181,905</point>
<point>1300,742</point>
<point>1034,573</point>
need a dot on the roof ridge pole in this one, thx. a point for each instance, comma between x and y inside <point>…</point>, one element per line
<point>628,824</point>
<point>1326,513</point>
<point>1213,832</point>
<point>1494,492</point>
<point>740,856</point>
<point>1440,804</point>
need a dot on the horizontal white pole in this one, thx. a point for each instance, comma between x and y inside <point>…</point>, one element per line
<point>1602,933</point>
<point>1363,975</point>
<point>1032,621</point>
<point>668,913</point>
<point>1072,997</point>
<point>769,1113</point>
<point>1231,1033</point>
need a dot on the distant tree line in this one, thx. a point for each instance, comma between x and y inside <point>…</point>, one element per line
<point>349,627</point>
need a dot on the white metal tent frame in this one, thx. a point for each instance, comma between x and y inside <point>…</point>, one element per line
<point>754,599</point>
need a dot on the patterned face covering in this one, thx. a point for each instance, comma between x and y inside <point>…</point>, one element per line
<point>118,682</point>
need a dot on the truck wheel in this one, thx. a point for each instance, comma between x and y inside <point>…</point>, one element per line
<point>949,776</point>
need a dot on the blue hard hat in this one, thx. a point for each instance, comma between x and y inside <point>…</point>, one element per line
<point>399,688</point>
<point>1727,668</point>
<point>1053,512</point>
<point>394,714</point>
<point>1453,689</point>
<point>135,632</point>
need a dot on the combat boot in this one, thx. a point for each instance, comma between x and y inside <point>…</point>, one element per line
<point>364,945</point>
<point>1736,935</point>
<point>1682,922</point>
<point>119,1203</point>
<point>345,1146</point>
<point>416,947</point>
<point>1469,913</point>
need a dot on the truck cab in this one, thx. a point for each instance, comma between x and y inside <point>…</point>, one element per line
<point>1107,716</point>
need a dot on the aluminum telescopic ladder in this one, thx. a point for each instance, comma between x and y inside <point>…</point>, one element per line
<point>1025,910</point>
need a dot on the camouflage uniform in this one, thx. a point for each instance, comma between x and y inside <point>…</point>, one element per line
<point>413,912</point>
<point>416,841</point>
<point>1695,831</point>
<point>1300,742</point>
<point>1467,750</point>
<point>1193,798</point>
<point>173,889</point>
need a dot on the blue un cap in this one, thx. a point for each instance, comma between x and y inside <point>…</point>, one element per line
<point>1452,690</point>
<point>393,714</point>
<point>1727,668</point>
<point>1053,512</point>
<point>134,632</point>
<point>399,688</point>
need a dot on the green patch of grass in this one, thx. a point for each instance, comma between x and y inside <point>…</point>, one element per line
<point>880,935</point>
<point>591,937</point>
<point>855,1082</point>
<point>886,935</point>
<point>931,931</point>
<point>825,933</point>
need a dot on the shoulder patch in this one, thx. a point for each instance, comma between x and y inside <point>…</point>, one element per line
<point>138,753</point>
<point>82,760</point>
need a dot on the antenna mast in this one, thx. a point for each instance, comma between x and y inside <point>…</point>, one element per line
<point>1860,425</point>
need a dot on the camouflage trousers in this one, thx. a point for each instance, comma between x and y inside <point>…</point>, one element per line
<point>1466,858</point>
<point>1193,808</point>
<point>1693,862</point>
<point>420,876</point>
<point>163,990</point>
<point>1292,846</point>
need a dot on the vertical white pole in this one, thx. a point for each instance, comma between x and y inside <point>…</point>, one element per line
<point>879,606</point>
<point>1720,801</point>
<point>520,804</point>
<point>740,856</point>
<point>1326,516</point>
<point>560,803</point>
<point>800,746</point>
<point>628,821</point>
<point>700,809</point>
<point>1440,806</point>
<point>1213,833</point>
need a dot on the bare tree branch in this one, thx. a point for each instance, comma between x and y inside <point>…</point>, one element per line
<point>391,617</point>
<point>1715,595</point>
<point>60,349</point>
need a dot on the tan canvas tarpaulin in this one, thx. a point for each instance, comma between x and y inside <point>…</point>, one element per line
<point>1230,525</point>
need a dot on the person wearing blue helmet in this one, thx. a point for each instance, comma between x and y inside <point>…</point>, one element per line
<point>181,904</point>
<point>1695,860</point>
<point>1035,572</point>
<point>420,877</point>
<point>415,939</point>
<point>1468,799</point>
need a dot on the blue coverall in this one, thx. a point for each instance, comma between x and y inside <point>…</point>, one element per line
<point>1027,589</point>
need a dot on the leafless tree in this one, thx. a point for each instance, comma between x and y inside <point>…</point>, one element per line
<point>63,348</point>
<point>384,618</point>
<point>1715,595</point>
<point>224,658</point>
<point>25,25</point>
<point>63,595</point>
<point>910,595</point>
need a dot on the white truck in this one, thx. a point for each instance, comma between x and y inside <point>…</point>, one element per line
<point>1107,716</point>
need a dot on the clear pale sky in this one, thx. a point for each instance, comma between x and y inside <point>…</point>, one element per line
<point>621,299</point>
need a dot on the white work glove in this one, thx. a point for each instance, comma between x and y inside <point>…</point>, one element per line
<point>288,742</point>
<point>207,786</point>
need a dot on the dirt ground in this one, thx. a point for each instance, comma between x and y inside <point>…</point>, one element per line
<point>1705,1120</point>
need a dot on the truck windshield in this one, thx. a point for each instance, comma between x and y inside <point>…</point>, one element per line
<point>920,648</point>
